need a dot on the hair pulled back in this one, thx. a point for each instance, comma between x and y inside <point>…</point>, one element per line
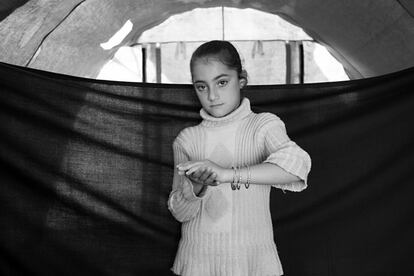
<point>221,50</point>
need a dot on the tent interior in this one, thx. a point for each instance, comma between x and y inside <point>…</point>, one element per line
<point>86,165</point>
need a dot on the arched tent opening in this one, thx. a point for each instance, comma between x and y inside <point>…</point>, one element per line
<point>368,38</point>
<point>273,50</point>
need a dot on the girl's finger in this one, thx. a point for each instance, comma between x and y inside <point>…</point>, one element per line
<point>199,172</point>
<point>206,174</point>
<point>182,169</point>
<point>188,165</point>
<point>211,179</point>
<point>192,169</point>
<point>195,180</point>
<point>183,164</point>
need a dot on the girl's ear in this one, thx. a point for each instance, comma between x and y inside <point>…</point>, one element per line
<point>243,79</point>
<point>242,82</point>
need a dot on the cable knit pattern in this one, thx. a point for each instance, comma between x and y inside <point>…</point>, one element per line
<point>226,232</point>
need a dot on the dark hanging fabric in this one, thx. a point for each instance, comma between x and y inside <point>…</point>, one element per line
<point>86,168</point>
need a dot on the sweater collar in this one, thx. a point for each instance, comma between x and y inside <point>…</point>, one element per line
<point>239,113</point>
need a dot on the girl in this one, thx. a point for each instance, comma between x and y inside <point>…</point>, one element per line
<point>225,167</point>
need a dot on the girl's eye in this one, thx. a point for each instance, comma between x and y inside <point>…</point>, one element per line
<point>222,83</point>
<point>200,87</point>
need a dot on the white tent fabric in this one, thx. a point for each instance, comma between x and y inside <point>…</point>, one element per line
<point>369,37</point>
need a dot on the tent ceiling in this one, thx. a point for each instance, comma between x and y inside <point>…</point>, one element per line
<point>369,37</point>
<point>8,6</point>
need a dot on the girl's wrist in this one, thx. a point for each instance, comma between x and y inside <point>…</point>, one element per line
<point>228,175</point>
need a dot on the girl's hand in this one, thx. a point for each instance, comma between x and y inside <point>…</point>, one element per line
<point>204,172</point>
<point>204,176</point>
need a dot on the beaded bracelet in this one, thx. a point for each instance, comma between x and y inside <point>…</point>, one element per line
<point>237,178</point>
<point>233,184</point>
<point>240,179</point>
<point>247,184</point>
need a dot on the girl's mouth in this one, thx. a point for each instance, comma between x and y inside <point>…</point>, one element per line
<point>216,105</point>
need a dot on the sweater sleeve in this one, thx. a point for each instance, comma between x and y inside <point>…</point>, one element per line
<point>285,153</point>
<point>182,202</point>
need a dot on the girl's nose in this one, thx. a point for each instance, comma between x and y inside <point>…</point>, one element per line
<point>213,95</point>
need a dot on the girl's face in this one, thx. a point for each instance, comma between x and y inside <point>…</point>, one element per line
<point>217,86</point>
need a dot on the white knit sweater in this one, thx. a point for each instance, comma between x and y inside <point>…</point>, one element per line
<point>226,232</point>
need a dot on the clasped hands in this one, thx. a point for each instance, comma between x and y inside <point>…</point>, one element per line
<point>204,172</point>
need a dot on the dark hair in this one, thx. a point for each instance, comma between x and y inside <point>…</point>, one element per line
<point>222,50</point>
